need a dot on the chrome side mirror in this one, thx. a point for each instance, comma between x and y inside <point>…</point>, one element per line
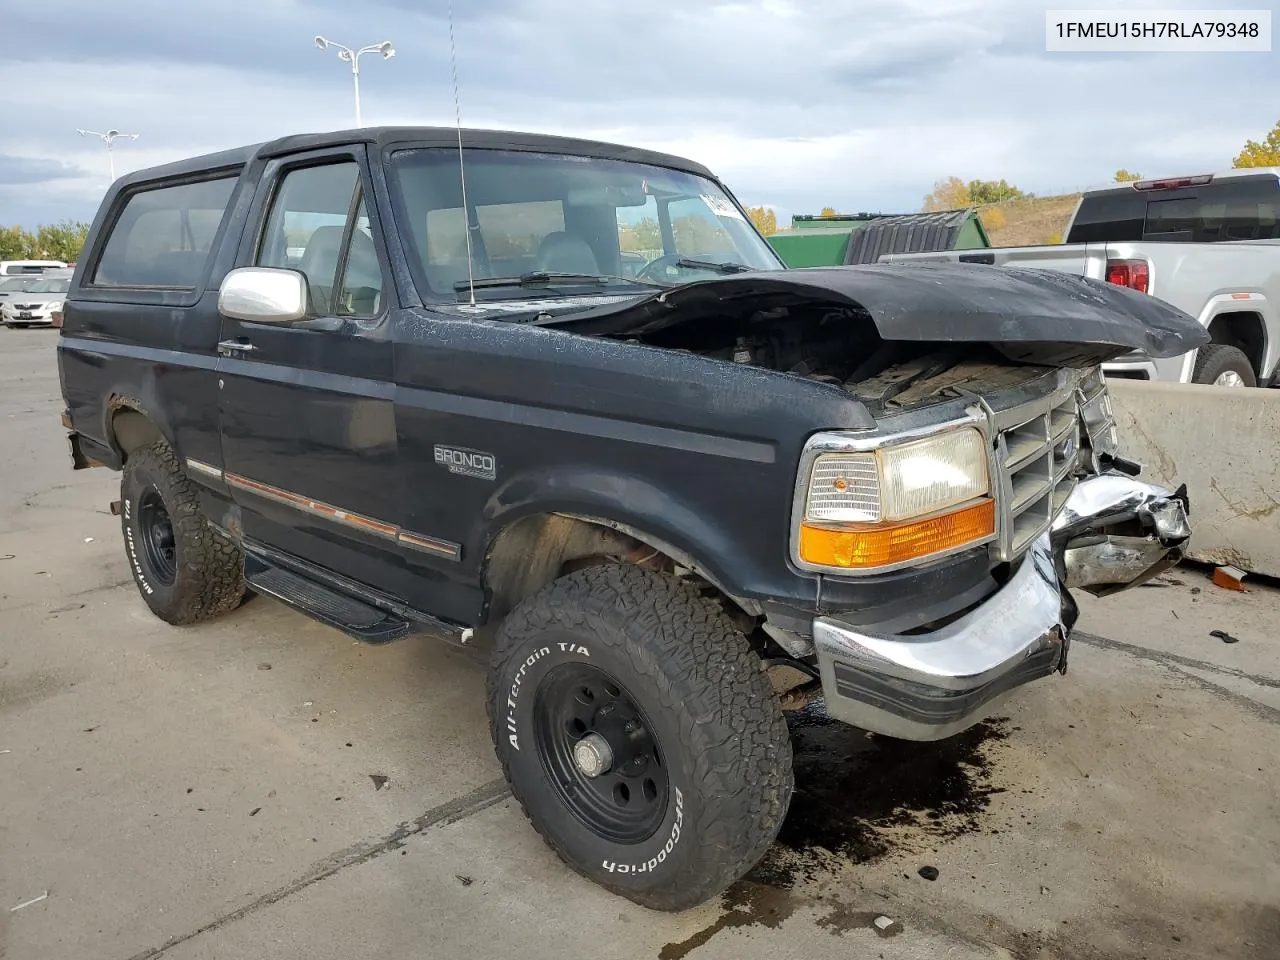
<point>264,295</point>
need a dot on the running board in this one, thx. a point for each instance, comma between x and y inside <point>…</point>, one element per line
<point>351,616</point>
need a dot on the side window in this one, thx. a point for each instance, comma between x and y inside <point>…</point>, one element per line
<point>307,230</point>
<point>698,231</point>
<point>163,236</point>
<point>360,292</point>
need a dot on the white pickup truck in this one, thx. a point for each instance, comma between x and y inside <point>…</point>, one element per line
<point>1208,244</point>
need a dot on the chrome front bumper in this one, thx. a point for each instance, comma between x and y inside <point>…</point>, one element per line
<point>1114,532</point>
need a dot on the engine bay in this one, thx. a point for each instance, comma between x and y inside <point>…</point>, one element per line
<point>842,348</point>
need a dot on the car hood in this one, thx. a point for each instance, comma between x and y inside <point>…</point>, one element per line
<point>1044,315</point>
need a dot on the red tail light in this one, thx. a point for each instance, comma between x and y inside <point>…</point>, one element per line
<point>1174,183</point>
<point>1134,274</point>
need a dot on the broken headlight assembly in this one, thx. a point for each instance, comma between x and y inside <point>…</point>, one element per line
<point>868,506</point>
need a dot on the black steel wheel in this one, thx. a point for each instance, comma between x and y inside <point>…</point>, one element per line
<point>600,753</point>
<point>157,537</point>
<point>639,733</point>
<point>185,569</point>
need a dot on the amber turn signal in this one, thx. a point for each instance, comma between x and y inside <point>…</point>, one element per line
<point>865,546</point>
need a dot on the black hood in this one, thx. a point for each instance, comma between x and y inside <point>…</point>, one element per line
<point>933,302</point>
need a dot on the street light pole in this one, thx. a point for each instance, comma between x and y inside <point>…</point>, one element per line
<point>347,55</point>
<point>109,138</point>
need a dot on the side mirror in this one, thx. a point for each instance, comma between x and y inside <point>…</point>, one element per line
<point>264,295</point>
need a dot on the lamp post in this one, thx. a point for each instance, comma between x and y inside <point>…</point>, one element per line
<point>109,138</point>
<point>347,55</point>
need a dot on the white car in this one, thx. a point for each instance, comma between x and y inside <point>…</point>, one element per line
<point>35,305</point>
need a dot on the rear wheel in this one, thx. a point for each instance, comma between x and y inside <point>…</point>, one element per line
<point>185,570</point>
<point>639,733</point>
<point>1223,366</point>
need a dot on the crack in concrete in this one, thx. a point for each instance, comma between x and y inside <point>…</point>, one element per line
<point>1183,666</point>
<point>446,814</point>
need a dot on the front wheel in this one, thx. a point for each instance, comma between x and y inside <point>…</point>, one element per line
<point>185,570</point>
<point>640,734</point>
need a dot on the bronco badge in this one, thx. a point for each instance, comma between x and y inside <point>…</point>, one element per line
<point>467,463</point>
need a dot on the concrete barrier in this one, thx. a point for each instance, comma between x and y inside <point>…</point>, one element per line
<point>1224,444</point>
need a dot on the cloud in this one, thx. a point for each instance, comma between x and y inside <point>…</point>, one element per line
<point>857,104</point>
<point>26,170</point>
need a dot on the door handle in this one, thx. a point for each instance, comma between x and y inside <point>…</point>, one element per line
<point>240,345</point>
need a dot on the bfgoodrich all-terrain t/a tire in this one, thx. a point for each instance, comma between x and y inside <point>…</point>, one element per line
<point>185,570</point>
<point>687,773</point>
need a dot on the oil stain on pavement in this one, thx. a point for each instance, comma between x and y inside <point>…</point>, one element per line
<point>858,797</point>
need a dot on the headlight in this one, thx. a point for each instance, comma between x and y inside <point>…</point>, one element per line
<point>897,504</point>
<point>54,305</point>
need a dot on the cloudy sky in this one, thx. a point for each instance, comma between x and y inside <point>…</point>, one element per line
<point>797,104</point>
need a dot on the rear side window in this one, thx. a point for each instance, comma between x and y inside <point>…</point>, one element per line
<point>1116,216</point>
<point>163,236</point>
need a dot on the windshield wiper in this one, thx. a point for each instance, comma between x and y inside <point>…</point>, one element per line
<point>543,278</point>
<point>729,267</point>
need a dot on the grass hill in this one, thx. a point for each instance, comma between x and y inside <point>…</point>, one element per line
<point>1022,223</point>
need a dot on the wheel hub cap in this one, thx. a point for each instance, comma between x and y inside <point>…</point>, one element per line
<point>1229,378</point>
<point>592,755</point>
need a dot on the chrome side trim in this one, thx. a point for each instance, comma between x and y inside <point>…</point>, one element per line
<point>439,548</point>
<point>208,469</point>
<point>327,511</point>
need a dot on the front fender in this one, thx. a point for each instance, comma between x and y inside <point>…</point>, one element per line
<point>665,519</point>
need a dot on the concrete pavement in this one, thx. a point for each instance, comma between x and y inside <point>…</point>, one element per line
<point>218,791</point>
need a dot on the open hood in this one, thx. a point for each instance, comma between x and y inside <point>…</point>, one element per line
<point>1035,315</point>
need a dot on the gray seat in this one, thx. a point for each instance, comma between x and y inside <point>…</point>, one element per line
<point>561,252</point>
<point>320,262</point>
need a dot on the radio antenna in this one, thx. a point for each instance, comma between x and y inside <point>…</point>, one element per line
<point>462,167</point>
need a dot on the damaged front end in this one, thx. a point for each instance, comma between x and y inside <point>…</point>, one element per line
<point>1071,514</point>
<point>993,445</point>
<point>1113,533</point>
<point>1116,532</point>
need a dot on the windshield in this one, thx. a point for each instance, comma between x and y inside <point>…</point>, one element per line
<point>534,216</point>
<point>14,284</point>
<point>48,286</point>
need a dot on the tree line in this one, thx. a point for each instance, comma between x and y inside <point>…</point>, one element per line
<point>952,193</point>
<point>52,241</point>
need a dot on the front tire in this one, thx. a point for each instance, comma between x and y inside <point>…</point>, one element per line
<point>185,570</point>
<point>1224,366</point>
<point>640,734</point>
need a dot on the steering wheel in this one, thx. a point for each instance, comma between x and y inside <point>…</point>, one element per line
<point>650,271</point>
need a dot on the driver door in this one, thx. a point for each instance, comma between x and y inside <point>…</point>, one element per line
<point>307,420</point>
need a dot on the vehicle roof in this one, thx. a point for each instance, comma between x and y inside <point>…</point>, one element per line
<point>385,137</point>
<point>1235,173</point>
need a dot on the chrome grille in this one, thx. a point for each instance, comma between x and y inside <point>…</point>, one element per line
<point>1036,456</point>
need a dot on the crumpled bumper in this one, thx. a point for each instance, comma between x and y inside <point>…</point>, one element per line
<point>1113,532</point>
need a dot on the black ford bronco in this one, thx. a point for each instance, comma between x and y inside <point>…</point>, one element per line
<point>559,397</point>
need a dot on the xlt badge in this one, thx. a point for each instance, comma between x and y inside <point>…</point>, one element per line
<point>467,463</point>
